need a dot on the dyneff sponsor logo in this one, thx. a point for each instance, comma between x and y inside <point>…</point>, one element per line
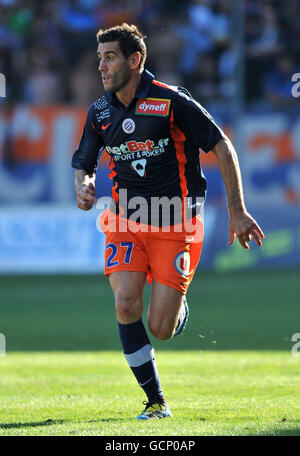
<point>153,106</point>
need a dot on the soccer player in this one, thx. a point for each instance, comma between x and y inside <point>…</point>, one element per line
<point>153,133</point>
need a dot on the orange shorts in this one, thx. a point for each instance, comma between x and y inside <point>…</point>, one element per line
<point>169,258</point>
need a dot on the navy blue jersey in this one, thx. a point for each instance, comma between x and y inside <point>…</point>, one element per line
<point>153,143</point>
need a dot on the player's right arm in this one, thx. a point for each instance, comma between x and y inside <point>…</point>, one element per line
<point>84,186</point>
<point>85,161</point>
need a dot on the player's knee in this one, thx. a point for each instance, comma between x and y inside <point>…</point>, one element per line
<point>164,335</point>
<point>160,332</point>
<point>127,307</point>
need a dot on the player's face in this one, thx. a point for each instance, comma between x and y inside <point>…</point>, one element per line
<point>113,66</point>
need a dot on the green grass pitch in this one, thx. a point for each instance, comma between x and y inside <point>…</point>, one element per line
<point>231,372</point>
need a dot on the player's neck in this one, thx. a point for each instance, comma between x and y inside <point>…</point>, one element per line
<point>127,93</point>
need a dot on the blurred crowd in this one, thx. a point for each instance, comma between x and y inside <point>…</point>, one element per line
<point>48,48</point>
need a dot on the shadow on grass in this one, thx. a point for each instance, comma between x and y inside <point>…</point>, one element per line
<point>32,424</point>
<point>109,420</point>
<point>292,431</point>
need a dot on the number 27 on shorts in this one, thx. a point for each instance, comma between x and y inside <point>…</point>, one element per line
<point>111,261</point>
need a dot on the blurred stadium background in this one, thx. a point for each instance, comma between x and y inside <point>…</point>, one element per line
<point>237,58</point>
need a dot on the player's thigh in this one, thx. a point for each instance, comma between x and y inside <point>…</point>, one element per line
<point>163,311</point>
<point>128,283</point>
<point>124,251</point>
<point>128,289</point>
<point>173,262</point>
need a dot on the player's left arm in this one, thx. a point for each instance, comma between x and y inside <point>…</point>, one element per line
<point>241,224</point>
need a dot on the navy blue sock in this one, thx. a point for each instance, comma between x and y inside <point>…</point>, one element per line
<point>139,354</point>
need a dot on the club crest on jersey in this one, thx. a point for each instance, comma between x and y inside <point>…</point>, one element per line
<point>153,107</point>
<point>182,263</point>
<point>139,166</point>
<point>128,126</point>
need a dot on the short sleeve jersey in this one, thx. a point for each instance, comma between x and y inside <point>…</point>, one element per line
<point>153,143</point>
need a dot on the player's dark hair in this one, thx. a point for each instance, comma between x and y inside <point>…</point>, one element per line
<point>129,37</point>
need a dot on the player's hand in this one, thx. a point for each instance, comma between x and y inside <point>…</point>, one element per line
<point>245,228</point>
<point>86,197</point>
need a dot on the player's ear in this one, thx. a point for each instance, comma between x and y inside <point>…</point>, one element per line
<point>134,60</point>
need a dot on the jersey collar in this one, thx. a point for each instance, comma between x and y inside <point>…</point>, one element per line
<point>142,89</point>
<point>144,85</point>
